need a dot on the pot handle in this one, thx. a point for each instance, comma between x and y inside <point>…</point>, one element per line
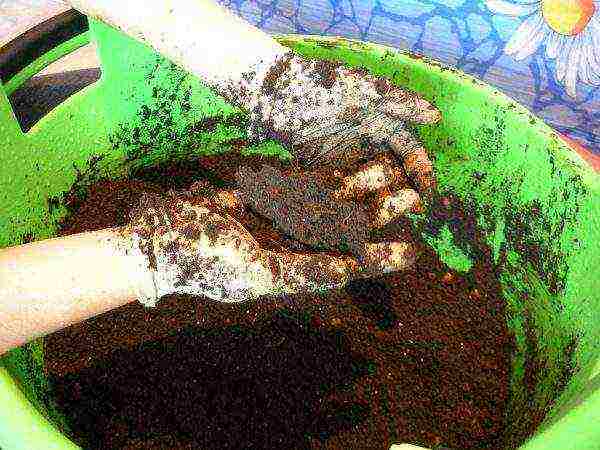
<point>24,49</point>
<point>29,53</point>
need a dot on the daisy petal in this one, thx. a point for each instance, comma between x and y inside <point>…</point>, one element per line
<point>590,58</point>
<point>585,74</point>
<point>532,44</point>
<point>592,63</point>
<point>594,58</point>
<point>553,44</point>
<point>573,68</point>
<point>594,32</point>
<point>511,9</point>
<point>593,27</point>
<point>562,59</point>
<point>585,71</point>
<point>521,45</point>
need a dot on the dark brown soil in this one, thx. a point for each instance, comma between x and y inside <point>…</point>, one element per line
<point>418,357</point>
<point>305,208</point>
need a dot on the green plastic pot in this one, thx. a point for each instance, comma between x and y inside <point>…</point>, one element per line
<point>535,204</point>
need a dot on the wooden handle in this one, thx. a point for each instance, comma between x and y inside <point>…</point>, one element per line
<point>51,284</point>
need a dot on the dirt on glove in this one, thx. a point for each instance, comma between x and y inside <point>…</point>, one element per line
<point>420,356</point>
<point>305,208</point>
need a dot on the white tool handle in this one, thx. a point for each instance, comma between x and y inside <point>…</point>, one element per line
<point>51,284</point>
<point>201,36</point>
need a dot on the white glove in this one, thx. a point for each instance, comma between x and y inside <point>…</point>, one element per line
<point>330,114</point>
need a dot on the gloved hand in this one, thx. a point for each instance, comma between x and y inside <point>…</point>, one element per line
<point>195,246</point>
<point>328,210</point>
<point>328,114</point>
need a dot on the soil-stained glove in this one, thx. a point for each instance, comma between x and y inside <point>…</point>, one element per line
<point>194,247</point>
<point>329,114</point>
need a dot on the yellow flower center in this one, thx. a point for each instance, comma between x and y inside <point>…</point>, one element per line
<point>568,17</point>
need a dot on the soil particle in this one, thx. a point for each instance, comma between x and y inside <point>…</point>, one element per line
<point>326,72</point>
<point>406,357</point>
<point>284,137</point>
<point>383,86</point>
<point>361,72</point>
<point>191,231</point>
<point>282,66</point>
<point>112,202</point>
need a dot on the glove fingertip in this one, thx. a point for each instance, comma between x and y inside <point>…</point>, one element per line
<point>412,108</point>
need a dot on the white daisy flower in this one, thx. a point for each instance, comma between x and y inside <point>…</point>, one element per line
<point>569,30</point>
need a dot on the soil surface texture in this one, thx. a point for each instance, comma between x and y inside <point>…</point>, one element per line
<point>420,357</point>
